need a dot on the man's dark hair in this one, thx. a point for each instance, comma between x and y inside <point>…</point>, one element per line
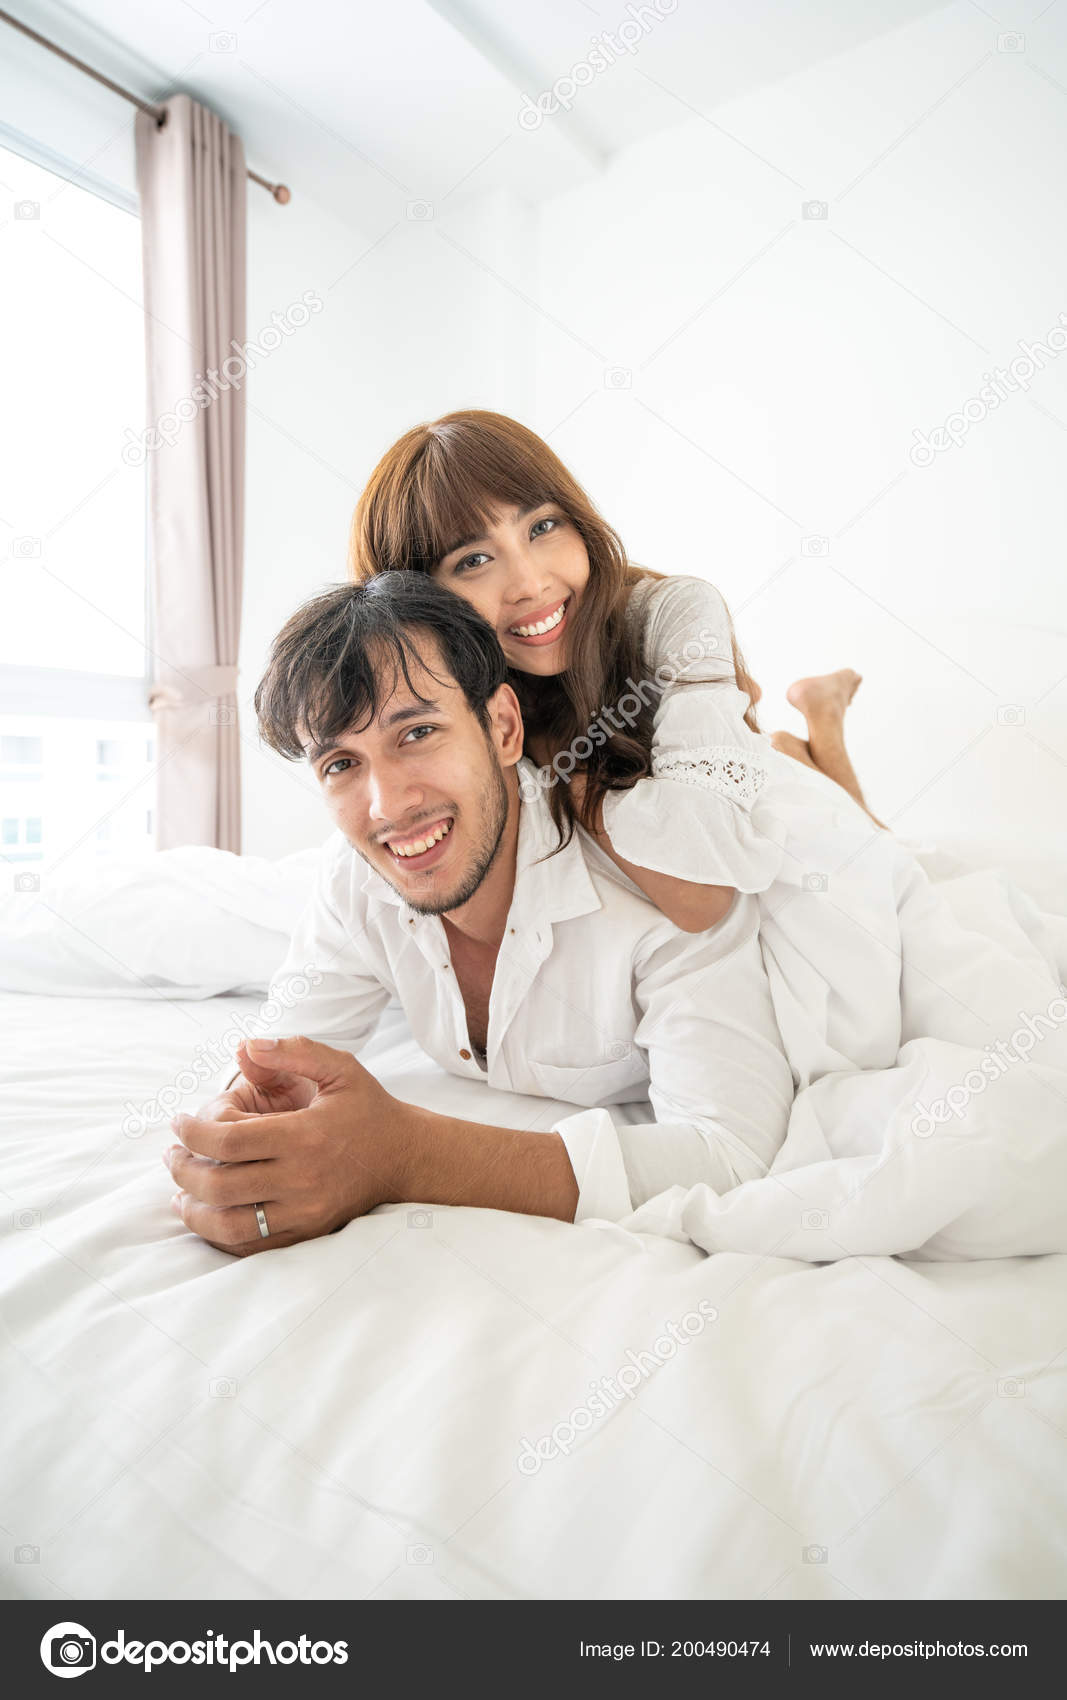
<point>326,676</point>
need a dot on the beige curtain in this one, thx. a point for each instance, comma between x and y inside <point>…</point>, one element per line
<point>191,177</point>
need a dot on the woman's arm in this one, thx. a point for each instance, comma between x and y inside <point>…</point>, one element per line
<point>691,906</point>
<point>706,816</point>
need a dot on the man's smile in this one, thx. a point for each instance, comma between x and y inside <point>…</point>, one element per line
<point>423,847</point>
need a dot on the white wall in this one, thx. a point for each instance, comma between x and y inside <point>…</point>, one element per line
<point>777,367</point>
<point>411,327</point>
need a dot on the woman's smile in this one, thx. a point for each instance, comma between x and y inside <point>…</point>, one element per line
<point>544,626</point>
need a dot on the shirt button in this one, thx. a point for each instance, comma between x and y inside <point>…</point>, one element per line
<point>465,1055</point>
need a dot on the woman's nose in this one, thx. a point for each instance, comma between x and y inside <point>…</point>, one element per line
<point>526,581</point>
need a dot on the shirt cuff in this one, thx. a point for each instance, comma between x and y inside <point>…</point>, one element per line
<point>593,1148</point>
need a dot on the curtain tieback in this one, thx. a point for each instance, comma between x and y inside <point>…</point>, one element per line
<point>209,682</point>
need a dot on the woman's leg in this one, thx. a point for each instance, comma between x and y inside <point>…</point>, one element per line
<point>822,701</point>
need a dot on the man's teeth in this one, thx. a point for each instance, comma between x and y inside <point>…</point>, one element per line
<point>541,626</point>
<point>419,846</point>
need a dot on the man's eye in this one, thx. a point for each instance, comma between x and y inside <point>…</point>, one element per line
<point>338,762</point>
<point>418,730</point>
<point>470,563</point>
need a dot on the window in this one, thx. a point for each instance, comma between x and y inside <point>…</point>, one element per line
<point>75,732</point>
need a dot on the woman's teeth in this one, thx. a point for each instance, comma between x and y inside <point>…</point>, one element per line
<point>419,846</point>
<point>542,626</point>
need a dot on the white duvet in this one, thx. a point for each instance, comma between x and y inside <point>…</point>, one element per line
<point>460,1403</point>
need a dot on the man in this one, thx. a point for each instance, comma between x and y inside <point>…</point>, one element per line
<point>534,965</point>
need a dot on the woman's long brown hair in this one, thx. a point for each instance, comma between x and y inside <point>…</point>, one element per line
<point>444,480</point>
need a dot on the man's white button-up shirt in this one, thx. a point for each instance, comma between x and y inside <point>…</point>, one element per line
<point>597,1000</point>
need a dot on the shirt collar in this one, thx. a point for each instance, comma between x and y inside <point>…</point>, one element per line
<point>558,888</point>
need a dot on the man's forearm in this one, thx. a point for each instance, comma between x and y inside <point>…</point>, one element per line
<point>441,1160</point>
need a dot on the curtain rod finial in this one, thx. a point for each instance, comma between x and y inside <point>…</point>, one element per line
<point>281,194</point>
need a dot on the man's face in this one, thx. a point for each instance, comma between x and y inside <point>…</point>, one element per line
<point>421,793</point>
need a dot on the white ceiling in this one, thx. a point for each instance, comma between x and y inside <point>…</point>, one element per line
<point>365,105</point>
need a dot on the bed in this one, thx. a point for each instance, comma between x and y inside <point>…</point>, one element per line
<point>447,1403</point>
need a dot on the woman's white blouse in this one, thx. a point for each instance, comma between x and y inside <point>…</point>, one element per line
<point>724,807</point>
<point>705,814</point>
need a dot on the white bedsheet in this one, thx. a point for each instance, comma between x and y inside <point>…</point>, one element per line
<point>345,1418</point>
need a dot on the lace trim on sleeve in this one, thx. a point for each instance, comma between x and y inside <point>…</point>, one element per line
<point>726,768</point>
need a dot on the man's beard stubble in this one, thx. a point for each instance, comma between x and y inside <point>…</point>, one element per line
<point>494,817</point>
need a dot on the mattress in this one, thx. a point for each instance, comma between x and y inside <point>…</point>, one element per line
<point>449,1403</point>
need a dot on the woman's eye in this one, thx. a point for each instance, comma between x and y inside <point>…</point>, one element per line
<point>469,562</point>
<point>549,520</point>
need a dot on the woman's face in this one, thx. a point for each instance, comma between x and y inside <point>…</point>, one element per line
<point>527,571</point>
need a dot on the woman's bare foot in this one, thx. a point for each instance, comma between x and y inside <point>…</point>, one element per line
<point>822,700</point>
<point>824,695</point>
<point>790,745</point>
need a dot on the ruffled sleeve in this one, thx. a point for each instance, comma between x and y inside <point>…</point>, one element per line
<point>705,814</point>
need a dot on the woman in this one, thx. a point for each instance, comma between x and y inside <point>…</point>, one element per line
<point>641,716</point>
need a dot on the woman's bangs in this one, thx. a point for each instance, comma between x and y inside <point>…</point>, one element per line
<point>457,490</point>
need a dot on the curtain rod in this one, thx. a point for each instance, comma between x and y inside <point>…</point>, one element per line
<point>159,113</point>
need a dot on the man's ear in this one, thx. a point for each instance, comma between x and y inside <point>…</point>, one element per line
<point>505,722</point>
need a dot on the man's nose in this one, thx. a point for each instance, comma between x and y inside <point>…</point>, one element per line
<point>390,796</point>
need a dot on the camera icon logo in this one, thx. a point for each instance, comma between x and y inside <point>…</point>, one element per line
<point>27,1555</point>
<point>27,1218</point>
<point>26,549</point>
<point>816,1219</point>
<point>815,882</point>
<point>815,1555</point>
<point>1011,42</point>
<point>68,1649</point>
<point>1010,1387</point>
<point>1011,714</point>
<point>27,210</point>
<point>618,378</point>
<point>223,1387</point>
<point>420,1218</point>
<point>220,715</point>
<point>420,1555</point>
<point>27,882</point>
<point>223,41</point>
<point>532,785</point>
<point>815,546</point>
<point>815,209</point>
<point>420,211</point>
<point>618,1050</point>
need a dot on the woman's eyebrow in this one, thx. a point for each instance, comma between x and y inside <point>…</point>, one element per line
<point>517,515</point>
